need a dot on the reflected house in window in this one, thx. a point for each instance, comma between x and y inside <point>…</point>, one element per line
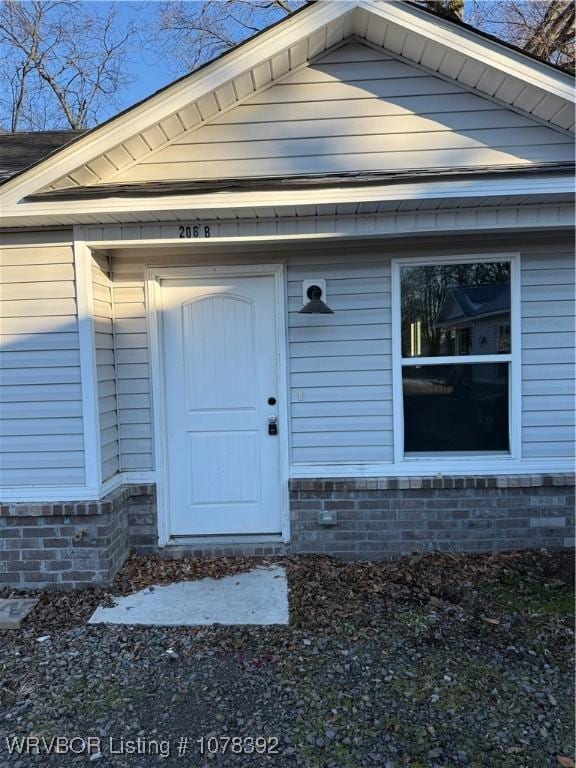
<point>455,317</point>
<point>475,320</point>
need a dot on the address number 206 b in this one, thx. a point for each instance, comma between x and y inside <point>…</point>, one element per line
<point>193,232</point>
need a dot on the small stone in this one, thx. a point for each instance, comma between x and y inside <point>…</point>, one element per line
<point>436,752</point>
<point>96,756</point>
<point>43,639</point>
<point>14,610</point>
<point>172,655</point>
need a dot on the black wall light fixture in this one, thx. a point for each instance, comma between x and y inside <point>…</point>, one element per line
<point>315,305</point>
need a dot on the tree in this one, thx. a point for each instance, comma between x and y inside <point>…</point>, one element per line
<point>61,63</point>
<point>424,290</point>
<point>544,28</point>
<point>454,8</point>
<point>199,31</point>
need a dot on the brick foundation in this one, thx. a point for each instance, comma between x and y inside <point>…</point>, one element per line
<point>75,544</point>
<point>71,545</point>
<point>383,517</point>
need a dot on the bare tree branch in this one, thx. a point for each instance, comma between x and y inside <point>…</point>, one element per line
<point>65,60</point>
<point>199,31</point>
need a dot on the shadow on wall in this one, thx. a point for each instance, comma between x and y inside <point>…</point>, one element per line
<point>355,109</point>
<point>41,425</point>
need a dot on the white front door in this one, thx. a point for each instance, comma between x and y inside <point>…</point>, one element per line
<point>221,387</point>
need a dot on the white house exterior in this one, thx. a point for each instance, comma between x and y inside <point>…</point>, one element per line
<point>161,388</point>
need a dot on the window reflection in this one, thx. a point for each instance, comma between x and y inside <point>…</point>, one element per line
<point>455,309</point>
<point>456,407</point>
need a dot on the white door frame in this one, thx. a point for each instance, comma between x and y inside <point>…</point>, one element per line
<point>154,321</point>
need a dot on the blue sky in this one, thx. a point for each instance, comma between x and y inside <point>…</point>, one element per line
<point>151,70</point>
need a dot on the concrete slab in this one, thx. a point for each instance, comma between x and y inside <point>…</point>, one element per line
<point>13,610</point>
<point>255,597</point>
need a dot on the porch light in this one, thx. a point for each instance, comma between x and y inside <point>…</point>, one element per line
<point>315,306</point>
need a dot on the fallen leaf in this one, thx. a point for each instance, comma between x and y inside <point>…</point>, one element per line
<point>489,620</point>
<point>567,762</point>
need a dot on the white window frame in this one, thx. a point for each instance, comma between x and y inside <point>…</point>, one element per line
<point>445,461</point>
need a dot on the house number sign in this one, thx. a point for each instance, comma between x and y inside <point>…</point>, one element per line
<point>193,232</point>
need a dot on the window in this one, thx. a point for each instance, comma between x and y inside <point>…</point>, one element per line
<point>455,376</point>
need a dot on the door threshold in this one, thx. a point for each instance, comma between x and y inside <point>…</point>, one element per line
<point>238,539</point>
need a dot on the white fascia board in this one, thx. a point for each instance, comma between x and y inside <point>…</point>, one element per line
<point>474,46</point>
<point>425,190</point>
<point>176,97</point>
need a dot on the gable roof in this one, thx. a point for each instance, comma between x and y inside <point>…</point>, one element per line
<point>434,43</point>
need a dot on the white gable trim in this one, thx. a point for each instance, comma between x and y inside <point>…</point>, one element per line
<point>243,59</point>
<point>469,59</point>
<point>462,41</point>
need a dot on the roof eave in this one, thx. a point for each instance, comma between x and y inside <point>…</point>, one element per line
<point>306,181</point>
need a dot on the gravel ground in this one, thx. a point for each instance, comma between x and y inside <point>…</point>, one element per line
<point>433,660</point>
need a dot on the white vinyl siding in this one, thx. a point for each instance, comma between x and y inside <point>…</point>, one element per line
<point>340,365</point>
<point>41,429</point>
<point>354,109</point>
<point>548,298</point>
<point>105,365</point>
<point>132,366</point>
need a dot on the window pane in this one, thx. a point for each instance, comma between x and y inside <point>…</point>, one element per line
<point>455,309</point>
<point>455,407</point>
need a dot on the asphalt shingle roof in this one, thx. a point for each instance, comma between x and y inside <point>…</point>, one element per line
<point>19,150</point>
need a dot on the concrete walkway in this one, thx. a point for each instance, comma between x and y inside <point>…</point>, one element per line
<point>255,597</point>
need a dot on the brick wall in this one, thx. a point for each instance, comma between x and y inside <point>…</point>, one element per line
<point>378,518</point>
<point>78,544</point>
<point>75,544</point>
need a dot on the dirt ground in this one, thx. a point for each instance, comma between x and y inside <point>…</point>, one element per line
<point>430,660</point>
